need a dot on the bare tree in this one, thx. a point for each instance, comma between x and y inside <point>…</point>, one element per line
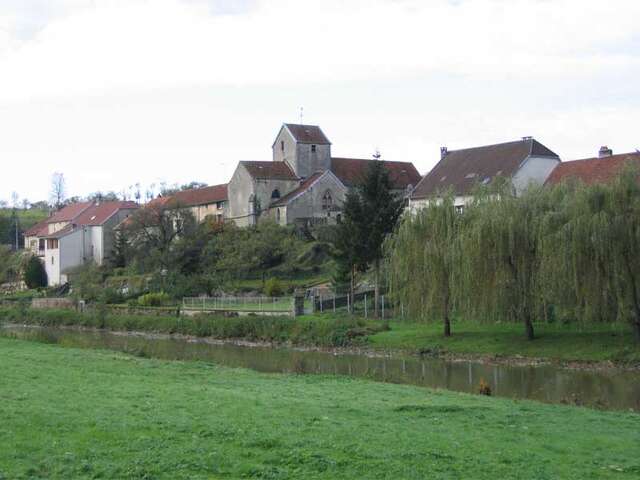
<point>58,189</point>
<point>25,203</point>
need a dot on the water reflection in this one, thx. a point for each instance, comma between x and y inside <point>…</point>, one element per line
<point>612,390</point>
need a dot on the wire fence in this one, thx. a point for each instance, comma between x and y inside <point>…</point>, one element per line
<point>238,304</point>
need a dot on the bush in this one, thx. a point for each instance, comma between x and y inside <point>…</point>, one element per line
<point>273,288</point>
<point>35,275</point>
<point>154,299</point>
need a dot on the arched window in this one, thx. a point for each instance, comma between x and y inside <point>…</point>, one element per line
<point>275,193</point>
<point>327,200</point>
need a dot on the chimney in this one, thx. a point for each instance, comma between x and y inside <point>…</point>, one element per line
<point>443,152</point>
<point>604,152</point>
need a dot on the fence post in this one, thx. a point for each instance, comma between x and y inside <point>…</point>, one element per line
<point>334,301</point>
<point>349,302</point>
<point>321,306</point>
<point>383,307</point>
<point>203,304</point>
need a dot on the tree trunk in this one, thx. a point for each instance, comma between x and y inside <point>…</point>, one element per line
<point>376,294</point>
<point>447,321</point>
<point>351,288</point>
<point>528,326</point>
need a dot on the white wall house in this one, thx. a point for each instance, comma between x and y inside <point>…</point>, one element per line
<point>523,162</point>
<point>77,234</point>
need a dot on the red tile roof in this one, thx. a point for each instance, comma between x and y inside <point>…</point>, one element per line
<point>40,228</point>
<point>303,186</point>
<point>592,170</point>
<point>202,196</point>
<point>68,213</point>
<point>269,170</point>
<point>307,134</point>
<point>351,171</point>
<point>460,170</point>
<point>100,213</point>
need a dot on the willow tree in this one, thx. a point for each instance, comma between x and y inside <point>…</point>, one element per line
<point>422,257</point>
<point>596,251</point>
<point>501,252</point>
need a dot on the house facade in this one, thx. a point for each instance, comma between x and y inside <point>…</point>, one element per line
<point>204,202</point>
<point>303,183</point>
<point>523,162</point>
<point>77,234</point>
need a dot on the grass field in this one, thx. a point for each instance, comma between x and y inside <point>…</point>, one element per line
<point>69,413</point>
<point>594,342</point>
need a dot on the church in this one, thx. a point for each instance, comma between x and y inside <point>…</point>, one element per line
<point>302,184</point>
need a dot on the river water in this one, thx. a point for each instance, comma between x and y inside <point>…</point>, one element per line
<point>610,389</point>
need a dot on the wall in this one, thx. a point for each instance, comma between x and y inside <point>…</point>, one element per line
<point>458,201</point>
<point>240,189</point>
<point>56,227</point>
<point>308,162</point>
<point>289,153</point>
<point>52,266</point>
<point>309,203</point>
<point>71,252</point>
<point>200,212</point>
<point>533,170</point>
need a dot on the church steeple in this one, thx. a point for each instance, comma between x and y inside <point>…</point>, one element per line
<point>305,148</point>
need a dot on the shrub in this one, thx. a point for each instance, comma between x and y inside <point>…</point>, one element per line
<point>35,275</point>
<point>153,299</point>
<point>273,288</point>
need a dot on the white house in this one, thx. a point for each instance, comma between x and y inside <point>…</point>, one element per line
<point>523,162</point>
<point>78,233</point>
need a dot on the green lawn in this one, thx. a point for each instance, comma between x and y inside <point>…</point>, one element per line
<point>595,342</point>
<point>69,413</point>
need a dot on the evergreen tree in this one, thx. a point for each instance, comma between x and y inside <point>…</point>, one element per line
<point>35,275</point>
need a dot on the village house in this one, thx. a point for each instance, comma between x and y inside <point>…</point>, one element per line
<point>203,202</point>
<point>303,183</point>
<point>600,169</point>
<point>78,233</point>
<point>523,162</point>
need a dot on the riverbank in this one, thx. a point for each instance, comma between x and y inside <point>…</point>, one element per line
<point>598,346</point>
<point>70,413</point>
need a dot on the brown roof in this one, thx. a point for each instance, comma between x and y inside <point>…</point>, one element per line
<point>202,196</point>
<point>303,186</point>
<point>307,134</point>
<point>351,171</point>
<point>460,170</point>
<point>269,170</point>
<point>592,170</point>
<point>40,228</point>
<point>68,213</point>
<point>100,213</point>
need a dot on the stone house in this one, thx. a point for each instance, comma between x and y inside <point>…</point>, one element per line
<point>203,202</point>
<point>77,234</point>
<point>303,183</point>
<point>523,162</point>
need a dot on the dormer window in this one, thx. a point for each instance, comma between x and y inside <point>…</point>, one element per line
<point>275,194</point>
<point>313,149</point>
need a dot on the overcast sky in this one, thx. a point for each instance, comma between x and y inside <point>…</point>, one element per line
<point>115,92</point>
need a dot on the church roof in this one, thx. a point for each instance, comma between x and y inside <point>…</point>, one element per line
<point>351,171</point>
<point>269,170</point>
<point>592,170</point>
<point>307,134</point>
<point>306,183</point>
<point>460,170</point>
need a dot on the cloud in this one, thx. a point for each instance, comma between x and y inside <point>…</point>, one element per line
<point>141,45</point>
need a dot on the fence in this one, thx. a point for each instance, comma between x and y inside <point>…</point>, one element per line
<point>282,305</point>
<point>363,302</point>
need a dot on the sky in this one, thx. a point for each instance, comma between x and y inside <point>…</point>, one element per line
<point>117,92</point>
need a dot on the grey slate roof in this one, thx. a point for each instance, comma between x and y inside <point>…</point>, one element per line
<point>460,170</point>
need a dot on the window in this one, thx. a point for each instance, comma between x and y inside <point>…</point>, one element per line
<point>52,260</point>
<point>313,149</point>
<point>282,145</point>
<point>277,215</point>
<point>52,243</point>
<point>327,200</point>
<point>459,208</point>
<point>275,193</point>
